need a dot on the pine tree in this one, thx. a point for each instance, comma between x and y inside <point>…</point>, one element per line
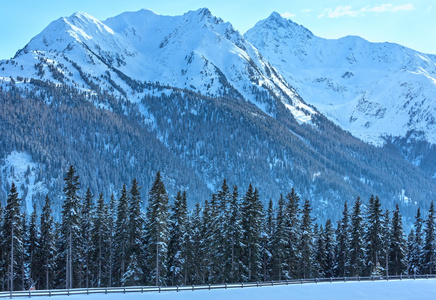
<point>357,254</point>
<point>121,237</point>
<point>429,263</point>
<point>306,242</point>
<point>417,244</point>
<point>343,244</point>
<point>70,229</point>
<point>47,250</point>
<point>177,247</point>
<point>12,243</point>
<point>373,237</point>
<point>207,242</point>
<point>252,215</point>
<point>398,245</point>
<point>157,231</point>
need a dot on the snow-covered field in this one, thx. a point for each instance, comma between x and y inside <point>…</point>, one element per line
<point>379,290</point>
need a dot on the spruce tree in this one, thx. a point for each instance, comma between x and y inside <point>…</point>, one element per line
<point>233,238</point>
<point>329,242</point>
<point>252,215</point>
<point>157,231</point>
<point>135,235</point>
<point>70,229</point>
<point>417,244</point>
<point>373,237</point>
<point>112,223</point>
<point>429,263</point>
<point>279,244</point>
<point>306,242</point>
<point>343,244</point>
<point>33,247</point>
<point>121,237</point>
<point>101,247</point>
<point>196,241</point>
<point>292,234</point>
<point>86,226</point>
<point>177,247</point>
<point>12,243</point>
<point>319,252</point>
<point>266,245</point>
<point>357,248</point>
<point>385,247</point>
<point>398,245</point>
<point>47,249</point>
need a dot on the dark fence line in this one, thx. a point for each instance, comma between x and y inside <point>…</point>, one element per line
<point>145,289</point>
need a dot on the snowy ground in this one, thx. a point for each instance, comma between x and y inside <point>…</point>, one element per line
<point>380,290</point>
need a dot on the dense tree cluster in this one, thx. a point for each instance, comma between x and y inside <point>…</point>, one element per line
<point>195,140</point>
<point>230,238</point>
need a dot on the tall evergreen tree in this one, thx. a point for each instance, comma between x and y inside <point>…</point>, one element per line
<point>135,229</point>
<point>319,252</point>
<point>252,215</point>
<point>292,234</point>
<point>101,247</point>
<point>33,247</point>
<point>279,244</point>
<point>343,244</point>
<point>429,263</point>
<point>121,236</point>
<point>70,229</point>
<point>196,240</point>
<point>157,231</point>
<point>47,249</point>
<point>12,243</point>
<point>398,245</point>
<point>373,237</point>
<point>233,238</point>
<point>357,248</point>
<point>86,226</point>
<point>267,236</point>
<point>306,242</point>
<point>112,223</point>
<point>177,247</point>
<point>329,242</point>
<point>385,247</point>
<point>417,244</point>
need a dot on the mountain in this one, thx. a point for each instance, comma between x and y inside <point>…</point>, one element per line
<point>380,92</point>
<point>189,96</point>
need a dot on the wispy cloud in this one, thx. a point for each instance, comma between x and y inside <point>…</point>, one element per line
<point>347,10</point>
<point>287,15</point>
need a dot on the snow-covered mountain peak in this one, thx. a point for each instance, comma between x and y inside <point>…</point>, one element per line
<point>373,90</point>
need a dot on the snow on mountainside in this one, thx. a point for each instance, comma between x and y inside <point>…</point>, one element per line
<point>195,51</point>
<point>370,89</point>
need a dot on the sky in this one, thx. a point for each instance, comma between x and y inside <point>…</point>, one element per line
<point>411,23</point>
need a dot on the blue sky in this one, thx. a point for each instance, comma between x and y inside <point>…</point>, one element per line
<point>410,22</point>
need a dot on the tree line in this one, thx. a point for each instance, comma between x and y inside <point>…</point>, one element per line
<point>230,238</point>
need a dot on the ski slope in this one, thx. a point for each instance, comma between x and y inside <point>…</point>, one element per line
<point>399,290</point>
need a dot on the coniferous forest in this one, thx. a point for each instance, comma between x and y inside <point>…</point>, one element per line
<point>229,238</point>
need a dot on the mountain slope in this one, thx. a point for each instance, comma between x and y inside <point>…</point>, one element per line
<point>374,90</point>
<point>189,96</point>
